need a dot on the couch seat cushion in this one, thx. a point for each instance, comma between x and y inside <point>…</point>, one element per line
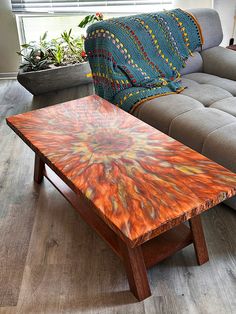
<point>227,105</point>
<point>205,93</point>
<point>159,112</point>
<point>220,146</point>
<point>204,78</point>
<point>193,127</point>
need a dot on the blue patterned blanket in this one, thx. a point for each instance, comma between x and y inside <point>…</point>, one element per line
<point>139,57</point>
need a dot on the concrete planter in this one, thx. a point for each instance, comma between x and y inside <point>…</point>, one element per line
<point>56,78</point>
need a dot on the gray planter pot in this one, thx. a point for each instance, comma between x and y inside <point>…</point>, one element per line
<point>57,78</point>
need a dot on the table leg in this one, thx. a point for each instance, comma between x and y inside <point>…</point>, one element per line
<point>136,271</point>
<point>199,240</point>
<point>39,167</point>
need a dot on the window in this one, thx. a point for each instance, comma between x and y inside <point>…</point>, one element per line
<point>72,6</point>
<point>34,17</point>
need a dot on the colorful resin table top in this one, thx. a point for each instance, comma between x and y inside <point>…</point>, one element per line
<point>141,181</point>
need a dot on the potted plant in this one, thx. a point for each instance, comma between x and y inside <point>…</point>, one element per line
<point>50,65</point>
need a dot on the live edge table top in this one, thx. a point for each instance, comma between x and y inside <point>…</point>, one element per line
<point>141,181</point>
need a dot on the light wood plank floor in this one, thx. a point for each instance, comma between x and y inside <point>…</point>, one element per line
<point>52,262</point>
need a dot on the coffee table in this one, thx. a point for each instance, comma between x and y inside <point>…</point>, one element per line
<point>134,185</point>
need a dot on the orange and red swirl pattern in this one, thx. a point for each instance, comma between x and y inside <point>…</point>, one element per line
<point>141,181</point>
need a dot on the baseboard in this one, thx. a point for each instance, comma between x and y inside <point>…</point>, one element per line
<point>8,75</point>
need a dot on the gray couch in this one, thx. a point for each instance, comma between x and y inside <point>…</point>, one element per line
<point>203,116</point>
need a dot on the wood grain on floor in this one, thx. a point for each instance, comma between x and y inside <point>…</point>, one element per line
<point>52,262</point>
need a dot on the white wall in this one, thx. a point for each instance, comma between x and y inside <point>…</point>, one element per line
<point>9,42</point>
<point>226,10</point>
<point>186,4</point>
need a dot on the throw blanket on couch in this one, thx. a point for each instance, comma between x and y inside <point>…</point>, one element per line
<point>138,57</point>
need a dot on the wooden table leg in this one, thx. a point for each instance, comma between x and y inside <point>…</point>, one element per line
<point>136,271</point>
<point>39,167</point>
<point>199,240</point>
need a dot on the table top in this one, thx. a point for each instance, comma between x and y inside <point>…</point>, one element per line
<point>141,181</point>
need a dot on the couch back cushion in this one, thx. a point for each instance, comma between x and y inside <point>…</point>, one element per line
<point>212,32</point>
<point>193,64</point>
<point>211,26</point>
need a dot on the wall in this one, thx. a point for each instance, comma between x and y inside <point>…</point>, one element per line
<point>226,10</point>
<point>185,4</point>
<point>9,42</point>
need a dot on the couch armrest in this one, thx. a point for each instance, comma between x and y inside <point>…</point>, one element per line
<point>220,61</point>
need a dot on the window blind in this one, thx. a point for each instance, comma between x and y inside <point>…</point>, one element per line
<point>87,6</point>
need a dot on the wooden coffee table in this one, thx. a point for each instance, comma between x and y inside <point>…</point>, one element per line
<point>134,185</point>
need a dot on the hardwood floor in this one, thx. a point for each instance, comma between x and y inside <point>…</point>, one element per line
<point>52,262</point>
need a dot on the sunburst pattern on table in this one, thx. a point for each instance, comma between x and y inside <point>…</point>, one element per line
<point>138,178</point>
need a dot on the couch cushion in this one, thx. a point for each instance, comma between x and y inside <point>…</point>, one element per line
<point>188,83</point>
<point>227,105</point>
<point>193,127</point>
<point>159,112</point>
<point>204,78</point>
<point>205,93</point>
<point>220,61</point>
<point>211,26</point>
<point>193,64</point>
<point>220,145</point>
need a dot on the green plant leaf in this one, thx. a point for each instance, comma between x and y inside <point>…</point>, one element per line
<point>25,46</point>
<point>58,51</point>
<point>44,36</point>
<point>20,53</point>
<point>87,20</point>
